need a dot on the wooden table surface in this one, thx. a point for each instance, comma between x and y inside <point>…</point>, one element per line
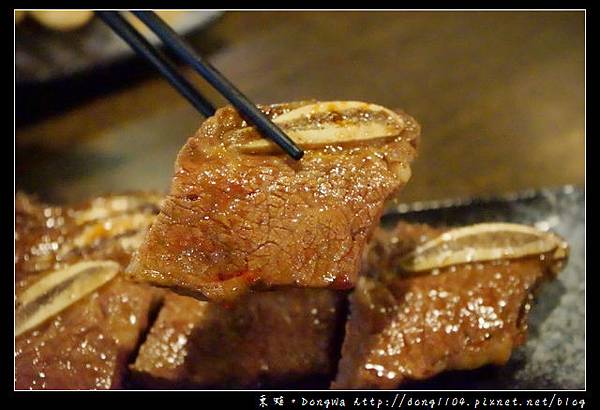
<point>500,97</point>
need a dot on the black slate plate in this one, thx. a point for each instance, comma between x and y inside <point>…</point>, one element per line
<point>554,354</point>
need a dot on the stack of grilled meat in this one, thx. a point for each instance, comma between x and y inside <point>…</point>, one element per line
<point>257,270</point>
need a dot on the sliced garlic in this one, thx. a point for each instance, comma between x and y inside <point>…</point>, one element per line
<point>104,207</point>
<point>132,242</point>
<point>112,227</point>
<point>328,123</point>
<point>483,242</point>
<point>59,290</point>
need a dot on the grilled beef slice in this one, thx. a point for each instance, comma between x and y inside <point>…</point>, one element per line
<point>242,215</point>
<point>277,338</point>
<point>88,344</point>
<point>412,327</point>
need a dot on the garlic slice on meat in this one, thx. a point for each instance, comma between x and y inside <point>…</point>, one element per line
<point>132,242</point>
<point>118,227</point>
<point>484,242</point>
<point>60,289</point>
<point>328,123</point>
<point>112,227</point>
<point>104,207</point>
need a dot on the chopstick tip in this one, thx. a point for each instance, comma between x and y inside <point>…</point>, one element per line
<point>296,153</point>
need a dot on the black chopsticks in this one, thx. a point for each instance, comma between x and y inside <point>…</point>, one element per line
<point>176,44</point>
<point>128,33</point>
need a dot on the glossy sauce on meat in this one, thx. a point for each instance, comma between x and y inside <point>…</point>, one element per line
<point>86,346</point>
<point>235,220</point>
<point>405,328</point>
<point>279,337</point>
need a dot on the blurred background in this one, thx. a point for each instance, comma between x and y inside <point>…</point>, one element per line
<point>500,95</point>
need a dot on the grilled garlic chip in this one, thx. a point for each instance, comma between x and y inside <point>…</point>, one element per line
<point>484,242</point>
<point>112,227</point>
<point>104,207</point>
<point>329,123</point>
<point>58,290</point>
<point>120,227</point>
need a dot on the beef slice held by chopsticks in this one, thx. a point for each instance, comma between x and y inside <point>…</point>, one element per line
<point>436,300</point>
<point>241,214</point>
